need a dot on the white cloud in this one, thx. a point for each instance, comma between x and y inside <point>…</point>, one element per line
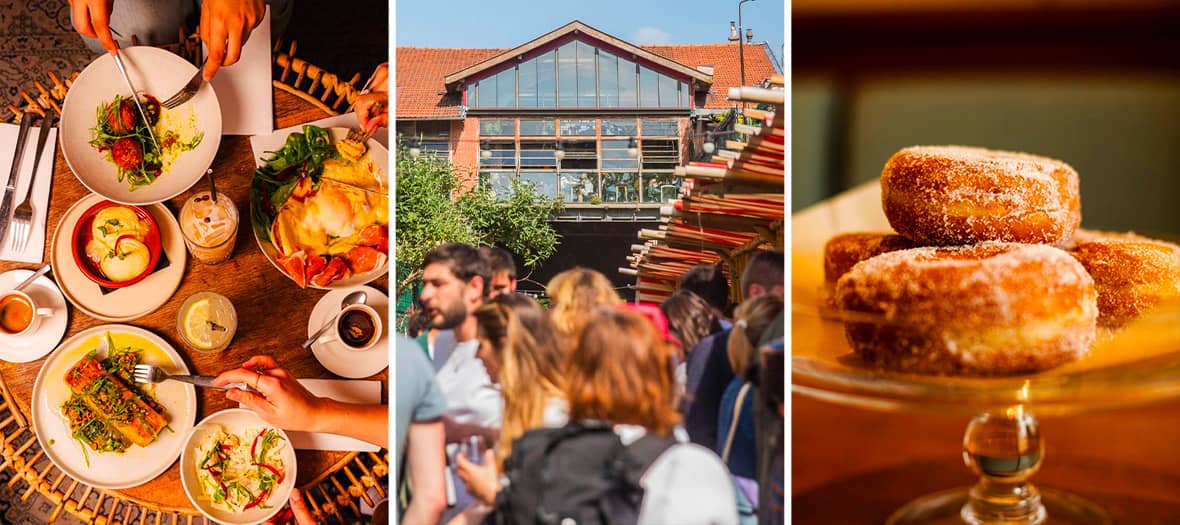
<point>651,36</point>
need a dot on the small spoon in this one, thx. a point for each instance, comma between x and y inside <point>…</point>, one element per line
<point>357,297</point>
<point>42,271</point>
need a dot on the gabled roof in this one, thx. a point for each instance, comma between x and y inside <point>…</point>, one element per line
<point>575,27</point>
<point>421,72</point>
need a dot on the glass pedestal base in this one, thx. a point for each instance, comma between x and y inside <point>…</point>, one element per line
<point>945,508</point>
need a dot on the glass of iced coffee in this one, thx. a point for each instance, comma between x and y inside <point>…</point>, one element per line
<point>210,227</point>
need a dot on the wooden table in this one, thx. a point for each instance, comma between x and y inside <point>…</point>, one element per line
<point>854,467</point>
<point>272,310</point>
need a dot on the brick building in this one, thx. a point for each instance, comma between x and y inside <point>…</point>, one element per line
<point>589,118</point>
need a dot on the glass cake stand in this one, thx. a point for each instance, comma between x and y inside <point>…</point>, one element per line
<point>1002,444</point>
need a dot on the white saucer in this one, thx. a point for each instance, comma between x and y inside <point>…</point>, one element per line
<point>337,357</point>
<point>124,304</point>
<point>28,347</point>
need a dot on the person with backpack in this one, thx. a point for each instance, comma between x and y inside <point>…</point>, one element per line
<point>617,460</point>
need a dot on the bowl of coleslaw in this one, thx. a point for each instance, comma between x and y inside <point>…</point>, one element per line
<point>236,468</point>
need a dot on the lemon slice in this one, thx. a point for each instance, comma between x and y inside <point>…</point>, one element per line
<point>196,324</point>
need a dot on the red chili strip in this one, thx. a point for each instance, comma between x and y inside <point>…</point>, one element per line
<point>273,470</point>
<point>257,501</point>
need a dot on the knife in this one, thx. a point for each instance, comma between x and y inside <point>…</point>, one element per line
<point>46,125</point>
<point>26,122</point>
<point>354,186</point>
<point>135,97</point>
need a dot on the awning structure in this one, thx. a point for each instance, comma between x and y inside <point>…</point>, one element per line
<point>728,208</point>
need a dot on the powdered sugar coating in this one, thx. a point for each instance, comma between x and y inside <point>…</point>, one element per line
<point>1132,274</point>
<point>986,309</point>
<point>944,195</point>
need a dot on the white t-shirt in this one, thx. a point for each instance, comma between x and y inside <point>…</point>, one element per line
<point>686,485</point>
<point>471,396</point>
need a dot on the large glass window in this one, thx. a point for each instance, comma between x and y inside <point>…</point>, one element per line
<point>660,128</point>
<point>615,155</point>
<point>498,128</point>
<point>537,128</point>
<point>659,154</point>
<point>567,76</point>
<point>544,181</point>
<point>587,83</point>
<point>660,187</point>
<point>620,187</point>
<point>579,187</point>
<point>500,182</point>
<point>649,88</point>
<point>581,128</point>
<point>628,95</point>
<point>580,155</point>
<point>538,154</point>
<point>502,154</point>
<point>547,80</point>
<point>619,127</point>
<point>528,84</point>
<point>668,95</point>
<point>578,75</point>
<point>506,88</point>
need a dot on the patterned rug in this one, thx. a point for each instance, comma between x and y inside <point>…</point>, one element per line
<point>36,37</point>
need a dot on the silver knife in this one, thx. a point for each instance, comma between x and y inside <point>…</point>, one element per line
<point>135,97</point>
<point>46,125</point>
<point>26,122</point>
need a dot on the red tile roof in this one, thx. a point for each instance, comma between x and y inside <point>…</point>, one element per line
<point>421,93</point>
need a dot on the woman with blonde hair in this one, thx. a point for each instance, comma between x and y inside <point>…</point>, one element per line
<point>575,293</point>
<point>617,461</point>
<point>519,349</point>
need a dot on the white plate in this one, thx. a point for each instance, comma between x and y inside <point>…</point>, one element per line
<point>235,420</point>
<point>337,357</point>
<point>32,346</point>
<point>122,304</point>
<point>158,73</point>
<point>137,465</point>
<point>380,157</point>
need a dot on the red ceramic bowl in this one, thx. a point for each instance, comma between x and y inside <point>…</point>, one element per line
<point>82,235</point>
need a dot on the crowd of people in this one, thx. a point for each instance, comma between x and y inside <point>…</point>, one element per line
<point>589,408</point>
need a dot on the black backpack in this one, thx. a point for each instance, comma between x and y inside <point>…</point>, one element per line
<point>578,474</point>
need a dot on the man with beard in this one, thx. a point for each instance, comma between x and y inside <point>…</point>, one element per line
<point>455,280</point>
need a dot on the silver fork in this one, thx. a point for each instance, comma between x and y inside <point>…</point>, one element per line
<point>22,216</point>
<point>190,88</point>
<point>153,374</point>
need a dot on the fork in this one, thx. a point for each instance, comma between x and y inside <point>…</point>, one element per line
<point>145,373</point>
<point>190,88</point>
<point>22,216</point>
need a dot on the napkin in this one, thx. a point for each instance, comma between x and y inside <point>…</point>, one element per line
<point>35,248</point>
<point>272,142</point>
<point>348,391</point>
<point>244,89</point>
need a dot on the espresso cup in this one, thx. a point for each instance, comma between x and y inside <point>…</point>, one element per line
<point>19,314</point>
<point>357,327</point>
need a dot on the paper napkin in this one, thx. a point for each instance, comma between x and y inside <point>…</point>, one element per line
<point>244,89</point>
<point>35,248</point>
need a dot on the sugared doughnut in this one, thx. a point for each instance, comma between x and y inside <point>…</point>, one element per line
<point>843,251</point>
<point>943,195</point>
<point>1132,274</point>
<point>985,309</point>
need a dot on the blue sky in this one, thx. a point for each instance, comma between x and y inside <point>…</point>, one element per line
<point>509,23</point>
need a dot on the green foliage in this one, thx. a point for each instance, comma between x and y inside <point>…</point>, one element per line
<point>429,214</point>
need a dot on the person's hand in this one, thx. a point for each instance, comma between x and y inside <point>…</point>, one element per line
<point>282,401</point>
<point>92,19</point>
<point>372,108</point>
<point>482,481</point>
<point>225,26</point>
<point>298,513</point>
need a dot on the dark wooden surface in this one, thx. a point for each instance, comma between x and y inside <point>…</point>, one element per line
<point>272,310</point>
<point>855,467</point>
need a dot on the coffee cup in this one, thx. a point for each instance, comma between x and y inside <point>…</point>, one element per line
<point>358,327</point>
<point>19,314</point>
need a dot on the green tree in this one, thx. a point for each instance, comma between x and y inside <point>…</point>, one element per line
<point>429,213</point>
